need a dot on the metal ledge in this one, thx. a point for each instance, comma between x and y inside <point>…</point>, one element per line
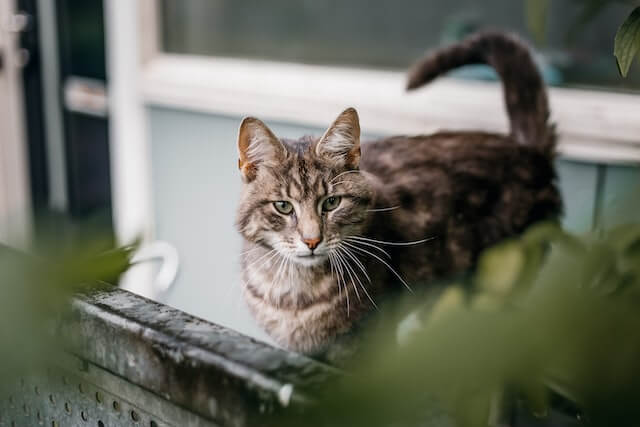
<point>219,374</point>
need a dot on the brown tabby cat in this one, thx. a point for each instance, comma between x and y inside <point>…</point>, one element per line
<point>328,228</point>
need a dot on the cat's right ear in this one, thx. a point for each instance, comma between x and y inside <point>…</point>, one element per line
<point>257,146</point>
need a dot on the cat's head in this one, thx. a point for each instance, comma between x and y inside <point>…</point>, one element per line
<point>302,198</point>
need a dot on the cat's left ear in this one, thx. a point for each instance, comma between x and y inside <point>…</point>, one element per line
<point>341,142</point>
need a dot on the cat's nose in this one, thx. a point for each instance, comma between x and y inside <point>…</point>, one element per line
<point>312,242</point>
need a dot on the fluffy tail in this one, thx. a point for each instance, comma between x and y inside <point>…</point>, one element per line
<point>524,91</point>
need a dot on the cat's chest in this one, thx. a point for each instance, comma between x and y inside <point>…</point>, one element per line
<point>303,318</point>
<point>305,329</point>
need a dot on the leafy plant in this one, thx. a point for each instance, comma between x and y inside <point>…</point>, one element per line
<point>36,289</point>
<point>627,42</point>
<point>547,313</point>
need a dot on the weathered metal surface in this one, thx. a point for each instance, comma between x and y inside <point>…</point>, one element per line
<point>80,394</point>
<point>214,372</point>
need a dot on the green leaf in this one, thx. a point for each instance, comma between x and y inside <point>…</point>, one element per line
<point>537,18</point>
<point>500,267</point>
<point>627,42</point>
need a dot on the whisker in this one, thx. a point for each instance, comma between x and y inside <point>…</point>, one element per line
<point>344,283</point>
<point>383,209</point>
<point>255,248</point>
<point>357,278</point>
<point>382,242</point>
<point>350,268</point>
<point>334,275</point>
<point>346,266</point>
<point>340,182</point>
<point>276,278</point>
<point>385,263</point>
<point>343,173</point>
<point>357,261</point>
<point>273,255</point>
<point>353,241</point>
<point>261,257</point>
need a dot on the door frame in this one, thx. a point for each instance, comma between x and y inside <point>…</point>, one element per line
<point>15,190</point>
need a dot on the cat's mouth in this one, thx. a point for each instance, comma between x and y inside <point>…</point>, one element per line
<point>310,259</point>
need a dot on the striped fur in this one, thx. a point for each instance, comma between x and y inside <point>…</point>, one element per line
<point>462,190</point>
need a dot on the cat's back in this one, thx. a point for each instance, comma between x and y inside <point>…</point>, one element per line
<point>466,189</point>
<point>455,152</point>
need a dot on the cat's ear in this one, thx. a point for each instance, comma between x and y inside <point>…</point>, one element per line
<point>257,146</point>
<point>341,142</point>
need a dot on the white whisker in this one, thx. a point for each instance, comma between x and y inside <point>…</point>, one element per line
<point>261,257</point>
<point>340,182</point>
<point>368,244</point>
<point>268,260</point>
<point>341,278</point>
<point>357,278</point>
<point>383,209</point>
<point>343,173</point>
<point>253,249</point>
<point>346,266</point>
<point>333,274</point>
<point>356,260</point>
<point>384,262</point>
<point>382,242</point>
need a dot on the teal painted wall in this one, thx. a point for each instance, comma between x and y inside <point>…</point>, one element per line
<point>195,188</point>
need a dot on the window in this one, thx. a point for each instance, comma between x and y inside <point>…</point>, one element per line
<point>391,34</point>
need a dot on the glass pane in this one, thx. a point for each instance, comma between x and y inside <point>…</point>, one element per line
<point>391,34</point>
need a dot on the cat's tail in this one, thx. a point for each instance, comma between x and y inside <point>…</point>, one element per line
<point>524,91</point>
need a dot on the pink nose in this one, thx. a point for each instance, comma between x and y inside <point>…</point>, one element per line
<point>312,243</point>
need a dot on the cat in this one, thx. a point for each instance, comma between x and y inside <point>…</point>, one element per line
<point>330,227</point>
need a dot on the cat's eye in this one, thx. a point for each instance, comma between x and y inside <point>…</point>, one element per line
<point>330,203</point>
<point>283,207</point>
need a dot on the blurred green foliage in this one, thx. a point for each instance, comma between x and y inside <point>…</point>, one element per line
<point>627,38</point>
<point>547,314</point>
<point>35,291</point>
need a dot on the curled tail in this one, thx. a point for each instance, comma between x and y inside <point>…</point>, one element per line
<point>524,91</point>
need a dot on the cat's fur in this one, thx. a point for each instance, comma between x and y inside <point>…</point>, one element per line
<point>463,190</point>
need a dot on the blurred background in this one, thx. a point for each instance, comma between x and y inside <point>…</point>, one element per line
<point>122,115</point>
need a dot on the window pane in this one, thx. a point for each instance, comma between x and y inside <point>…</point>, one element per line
<point>390,34</point>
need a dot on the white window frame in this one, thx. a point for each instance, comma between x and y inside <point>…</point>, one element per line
<point>593,126</point>
<point>15,190</point>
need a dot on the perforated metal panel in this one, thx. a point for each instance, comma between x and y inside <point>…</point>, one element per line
<point>88,396</point>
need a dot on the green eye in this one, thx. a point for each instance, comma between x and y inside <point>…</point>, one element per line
<point>283,207</point>
<point>330,203</point>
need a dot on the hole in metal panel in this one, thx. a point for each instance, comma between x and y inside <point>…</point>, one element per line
<point>100,424</point>
<point>153,424</point>
<point>116,405</point>
<point>52,399</point>
<point>99,398</point>
<point>67,407</point>
<point>134,416</point>
<point>84,416</point>
<point>39,416</point>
